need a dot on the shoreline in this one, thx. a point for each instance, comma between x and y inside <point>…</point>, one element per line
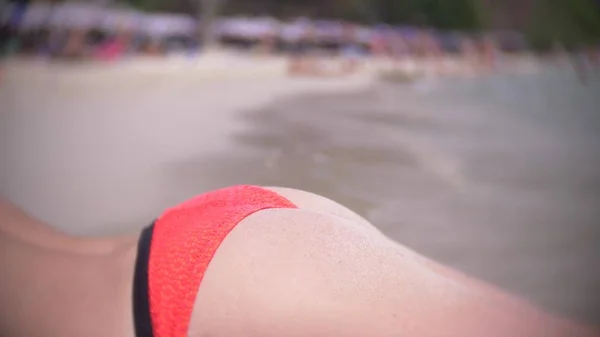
<point>226,64</point>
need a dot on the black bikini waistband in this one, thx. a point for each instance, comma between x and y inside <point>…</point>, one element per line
<point>141,302</point>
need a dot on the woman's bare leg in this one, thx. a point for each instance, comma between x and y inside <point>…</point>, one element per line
<point>307,273</point>
<point>54,285</point>
<point>317,271</point>
<point>18,225</point>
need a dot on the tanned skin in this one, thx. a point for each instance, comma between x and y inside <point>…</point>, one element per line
<point>320,270</point>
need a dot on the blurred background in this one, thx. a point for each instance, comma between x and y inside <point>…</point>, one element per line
<point>468,130</point>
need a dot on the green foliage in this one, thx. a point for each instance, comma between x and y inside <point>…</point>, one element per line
<point>180,6</point>
<point>353,10</point>
<point>145,5</point>
<point>572,23</point>
<point>444,14</point>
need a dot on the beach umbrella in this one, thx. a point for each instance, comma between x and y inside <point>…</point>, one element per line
<point>327,29</point>
<point>75,15</point>
<point>6,12</point>
<point>112,20</point>
<point>364,34</point>
<point>164,25</point>
<point>293,31</point>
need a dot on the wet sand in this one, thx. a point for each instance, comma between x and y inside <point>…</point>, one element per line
<point>451,175</point>
<point>494,196</point>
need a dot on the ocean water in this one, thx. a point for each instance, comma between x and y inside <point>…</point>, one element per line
<point>498,177</point>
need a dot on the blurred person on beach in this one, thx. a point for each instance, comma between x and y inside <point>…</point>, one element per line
<point>351,50</point>
<point>115,46</point>
<point>378,46</point>
<point>491,53</point>
<point>399,47</point>
<point>153,47</point>
<point>436,54</point>
<point>10,27</point>
<point>429,52</point>
<point>423,46</point>
<point>477,56</point>
<point>6,37</point>
<point>246,261</point>
<point>57,39</point>
<point>303,58</point>
<point>75,47</point>
<point>593,55</point>
<point>468,51</point>
<point>559,55</point>
<point>581,63</point>
<point>267,43</point>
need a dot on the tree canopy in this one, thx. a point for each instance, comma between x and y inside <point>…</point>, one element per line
<point>572,22</point>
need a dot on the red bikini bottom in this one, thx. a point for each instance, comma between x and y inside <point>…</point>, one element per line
<point>174,253</point>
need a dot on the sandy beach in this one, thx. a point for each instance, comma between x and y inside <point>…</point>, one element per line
<point>475,173</point>
<point>101,130</point>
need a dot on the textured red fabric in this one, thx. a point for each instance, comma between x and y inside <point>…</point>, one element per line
<point>185,239</point>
